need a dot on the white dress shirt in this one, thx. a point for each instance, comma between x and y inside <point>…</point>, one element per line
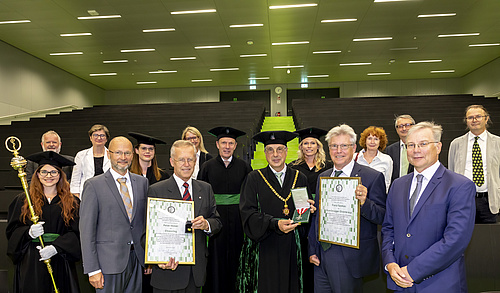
<point>346,171</point>
<point>427,173</point>
<point>381,162</point>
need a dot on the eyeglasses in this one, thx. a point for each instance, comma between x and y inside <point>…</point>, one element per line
<point>184,160</point>
<point>147,149</point>
<point>342,146</point>
<point>120,153</point>
<point>191,138</point>
<point>270,150</point>
<point>95,135</point>
<point>407,125</point>
<point>422,145</point>
<point>478,118</point>
<point>52,173</point>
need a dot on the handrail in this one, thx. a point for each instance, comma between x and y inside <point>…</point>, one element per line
<point>36,113</point>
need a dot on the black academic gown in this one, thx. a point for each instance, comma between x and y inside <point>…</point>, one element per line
<point>151,176</point>
<point>31,275</point>
<point>277,264</point>
<point>224,248</point>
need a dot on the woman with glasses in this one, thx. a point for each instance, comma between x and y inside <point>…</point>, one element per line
<point>373,141</point>
<point>92,161</point>
<point>194,136</point>
<point>57,210</point>
<point>144,161</point>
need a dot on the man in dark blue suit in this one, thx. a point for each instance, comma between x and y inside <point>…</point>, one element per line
<point>340,269</point>
<point>429,220</point>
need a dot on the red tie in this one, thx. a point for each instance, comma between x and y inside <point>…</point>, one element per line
<point>186,195</point>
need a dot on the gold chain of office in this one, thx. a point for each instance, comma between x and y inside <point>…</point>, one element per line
<point>286,211</point>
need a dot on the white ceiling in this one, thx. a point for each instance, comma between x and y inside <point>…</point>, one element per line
<point>398,20</point>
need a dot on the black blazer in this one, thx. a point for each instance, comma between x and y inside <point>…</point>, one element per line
<point>203,158</point>
<point>394,151</point>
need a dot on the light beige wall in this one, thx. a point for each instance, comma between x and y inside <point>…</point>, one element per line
<point>484,81</point>
<point>29,84</point>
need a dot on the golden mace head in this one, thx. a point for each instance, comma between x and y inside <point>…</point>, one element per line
<point>13,145</point>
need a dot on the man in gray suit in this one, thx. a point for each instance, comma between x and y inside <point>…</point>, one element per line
<point>112,223</point>
<point>475,155</point>
<point>172,277</point>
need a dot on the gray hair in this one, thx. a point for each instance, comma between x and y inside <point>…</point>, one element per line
<point>404,116</point>
<point>342,129</point>
<point>436,129</point>
<point>181,144</point>
<point>51,132</point>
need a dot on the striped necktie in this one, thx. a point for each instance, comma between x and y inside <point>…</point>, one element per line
<point>186,195</point>
<point>414,196</point>
<point>127,201</point>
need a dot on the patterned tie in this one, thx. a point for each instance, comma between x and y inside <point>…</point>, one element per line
<point>127,201</point>
<point>404,161</point>
<point>326,245</point>
<point>278,176</point>
<point>477,164</point>
<point>186,195</point>
<point>414,196</point>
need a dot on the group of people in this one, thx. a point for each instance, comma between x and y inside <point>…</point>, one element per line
<point>98,202</point>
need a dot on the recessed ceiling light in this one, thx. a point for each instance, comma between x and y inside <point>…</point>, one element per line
<point>372,39</point>
<point>155,30</point>
<point>339,20</point>
<point>253,55</point>
<point>379,73</point>
<point>288,66</point>
<point>484,45</point>
<point>253,87</point>
<point>293,6</point>
<point>182,58</point>
<point>224,69</point>
<point>194,11</point>
<point>258,78</point>
<point>14,21</point>
<point>115,61</point>
<point>425,61</point>
<point>200,80</point>
<point>76,35</point>
<point>136,50</point>
<point>212,47</point>
<point>326,52</point>
<point>443,71</point>
<point>458,35</point>
<point>66,53</point>
<point>93,12</point>
<point>146,82</point>
<point>99,17</point>
<point>163,71</point>
<point>355,64</point>
<point>402,49</point>
<point>103,74</point>
<point>304,85</point>
<point>290,43</point>
<point>436,15</point>
<point>246,25</point>
<point>320,75</point>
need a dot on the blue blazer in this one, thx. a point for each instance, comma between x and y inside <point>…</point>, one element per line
<point>432,242</point>
<point>365,260</point>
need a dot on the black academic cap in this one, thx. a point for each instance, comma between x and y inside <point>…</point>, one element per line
<point>274,137</point>
<point>146,139</point>
<point>311,132</point>
<point>51,158</point>
<point>224,131</point>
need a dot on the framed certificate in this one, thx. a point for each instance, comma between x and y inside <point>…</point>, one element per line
<point>339,211</point>
<point>302,212</point>
<point>167,234</point>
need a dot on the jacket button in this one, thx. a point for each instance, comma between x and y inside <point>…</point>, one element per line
<point>406,256</point>
<point>131,227</point>
<point>408,235</point>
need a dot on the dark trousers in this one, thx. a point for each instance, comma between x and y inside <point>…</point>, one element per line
<point>483,213</point>
<point>191,288</point>
<point>128,281</point>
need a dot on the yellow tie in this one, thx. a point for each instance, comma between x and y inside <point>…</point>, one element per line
<point>404,161</point>
<point>127,201</point>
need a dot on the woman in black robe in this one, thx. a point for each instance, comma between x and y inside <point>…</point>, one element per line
<point>144,161</point>
<point>57,210</point>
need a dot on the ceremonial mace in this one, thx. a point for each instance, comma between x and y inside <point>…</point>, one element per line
<point>18,163</point>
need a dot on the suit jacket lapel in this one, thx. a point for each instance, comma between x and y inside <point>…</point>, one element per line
<point>406,197</point>
<point>114,191</point>
<point>462,153</point>
<point>135,192</point>
<point>197,197</point>
<point>355,170</point>
<point>433,183</point>
<point>173,189</point>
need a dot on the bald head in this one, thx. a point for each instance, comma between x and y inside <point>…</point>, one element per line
<point>120,154</point>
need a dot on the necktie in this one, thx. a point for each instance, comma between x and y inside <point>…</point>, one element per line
<point>404,161</point>
<point>186,195</point>
<point>278,176</point>
<point>414,196</point>
<point>477,164</point>
<point>226,163</point>
<point>326,245</point>
<point>127,201</point>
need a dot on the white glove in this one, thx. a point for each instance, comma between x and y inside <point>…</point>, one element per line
<point>36,230</point>
<point>47,252</point>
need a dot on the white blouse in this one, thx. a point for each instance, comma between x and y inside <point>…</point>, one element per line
<point>381,163</point>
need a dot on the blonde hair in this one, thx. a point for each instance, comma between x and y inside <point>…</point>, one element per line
<point>197,133</point>
<point>319,157</point>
